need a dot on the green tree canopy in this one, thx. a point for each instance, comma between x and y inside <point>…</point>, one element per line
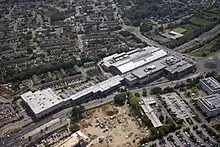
<point>137,94</point>
<point>74,128</point>
<point>120,98</point>
<point>134,101</point>
<point>144,93</point>
<point>77,111</point>
<point>156,90</point>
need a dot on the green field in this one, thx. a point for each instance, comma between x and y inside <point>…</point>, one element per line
<point>130,29</point>
<point>203,50</point>
<point>180,30</point>
<point>189,27</point>
<point>199,21</point>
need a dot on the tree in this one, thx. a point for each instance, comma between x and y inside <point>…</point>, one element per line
<point>74,128</point>
<point>161,28</point>
<point>144,93</point>
<point>146,27</point>
<point>134,102</point>
<point>29,138</point>
<point>120,98</point>
<point>146,120</point>
<point>77,111</point>
<point>211,74</point>
<point>137,94</point>
<point>161,133</point>
<point>128,94</point>
<point>161,118</point>
<point>153,131</point>
<point>156,90</point>
<point>189,80</point>
<point>165,129</point>
<point>168,89</point>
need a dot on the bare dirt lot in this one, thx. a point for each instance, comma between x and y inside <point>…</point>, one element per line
<point>112,126</point>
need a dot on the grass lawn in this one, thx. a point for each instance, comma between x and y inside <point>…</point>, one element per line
<point>189,27</point>
<point>180,30</point>
<point>205,49</point>
<point>199,21</point>
<point>130,29</point>
<point>210,65</point>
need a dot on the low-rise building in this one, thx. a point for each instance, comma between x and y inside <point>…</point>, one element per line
<point>179,70</point>
<point>127,61</point>
<point>210,85</point>
<point>145,74</point>
<point>141,66</point>
<point>42,102</point>
<point>93,92</point>
<point>210,104</point>
<point>148,111</point>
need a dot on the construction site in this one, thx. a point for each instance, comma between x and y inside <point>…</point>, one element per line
<point>112,126</point>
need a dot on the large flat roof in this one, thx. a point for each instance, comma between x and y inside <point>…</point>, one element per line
<point>103,86</point>
<point>211,102</point>
<point>41,100</point>
<point>212,83</point>
<point>149,69</point>
<point>125,62</point>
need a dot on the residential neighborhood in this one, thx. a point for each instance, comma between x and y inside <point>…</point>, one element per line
<point>109,73</point>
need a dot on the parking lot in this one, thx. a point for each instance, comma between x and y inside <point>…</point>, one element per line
<point>177,106</point>
<point>8,114</point>
<point>193,136</point>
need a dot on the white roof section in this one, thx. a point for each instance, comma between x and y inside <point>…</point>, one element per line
<point>103,86</point>
<point>41,100</point>
<point>147,69</point>
<point>175,35</point>
<point>125,62</point>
